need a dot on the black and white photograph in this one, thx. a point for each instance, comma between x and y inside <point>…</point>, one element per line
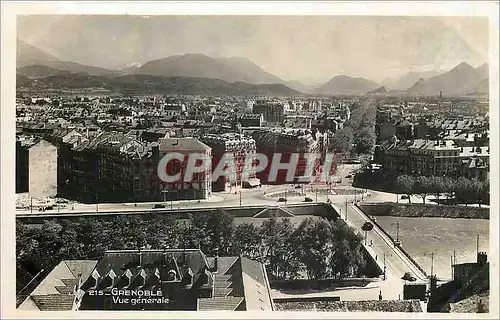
<point>270,163</point>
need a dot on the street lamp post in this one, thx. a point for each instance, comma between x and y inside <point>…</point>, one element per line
<point>240,197</point>
<point>164,191</point>
<point>384,268</point>
<point>346,209</point>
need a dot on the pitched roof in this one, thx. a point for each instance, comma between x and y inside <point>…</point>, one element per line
<point>54,302</point>
<point>55,292</point>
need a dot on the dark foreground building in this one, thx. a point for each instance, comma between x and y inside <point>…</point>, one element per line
<point>172,279</point>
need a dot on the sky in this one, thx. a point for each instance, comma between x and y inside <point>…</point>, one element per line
<point>310,49</point>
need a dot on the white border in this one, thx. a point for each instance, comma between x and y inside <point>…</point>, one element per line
<point>422,8</point>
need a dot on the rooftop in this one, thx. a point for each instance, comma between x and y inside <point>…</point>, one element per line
<point>182,144</point>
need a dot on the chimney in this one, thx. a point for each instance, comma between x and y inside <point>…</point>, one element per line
<point>482,258</point>
<point>433,283</point>
<point>155,150</point>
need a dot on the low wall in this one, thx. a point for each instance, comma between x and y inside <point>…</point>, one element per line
<point>320,284</point>
<point>351,306</point>
<point>424,210</point>
<point>305,299</point>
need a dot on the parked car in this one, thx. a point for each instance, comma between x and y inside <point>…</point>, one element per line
<point>349,176</point>
<point>404,196</point>
<point>408,277</point>
<point>158,206</point>
<point>307,199</point>
<point>49,207</point>
<point>281,199</point>
<point>298,186</point>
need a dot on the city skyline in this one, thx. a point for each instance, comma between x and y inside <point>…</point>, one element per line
<point>310,49</point>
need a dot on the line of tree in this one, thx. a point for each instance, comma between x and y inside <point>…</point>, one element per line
<point>318,247</point>
<point>461,189</point>
<point>358,133</point>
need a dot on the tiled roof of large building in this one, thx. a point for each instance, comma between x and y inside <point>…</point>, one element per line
<point>55,292</point>
<point>54,302</point>
<point>147,268</point>
<point>224,283</point>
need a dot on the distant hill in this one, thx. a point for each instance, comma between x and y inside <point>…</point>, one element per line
<point>482,88</point>
<point>344,85</point>
<point>70,81</point>
<point>162,85</point>
<point>406,81</point>
<point>460,80</point>
<point>202,66</point>
<point>379,91</point>
<point>483,70</point>
<point>40,71</point>
<point>22,81</point>
<point>29,55</point>
<point>299,86</point>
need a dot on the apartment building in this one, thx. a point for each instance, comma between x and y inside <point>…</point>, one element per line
<point>238,148</point>
<point>286,141</point>
<point>432,158</point>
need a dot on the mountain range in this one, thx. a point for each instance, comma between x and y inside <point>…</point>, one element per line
<point>29,55</point>
<point>408,79</point>
<point>463,79</point>
<point>344,85</point>
<point>202,66</point>
<point>202,74</point>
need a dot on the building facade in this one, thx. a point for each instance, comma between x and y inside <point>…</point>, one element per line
<point>36,168</point>
<point>272,111</point>
<point>432,158</point>
<point>238,148</point>
<point>287,142</point>
<point>199,185</point>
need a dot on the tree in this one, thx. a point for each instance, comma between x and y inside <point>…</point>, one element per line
<point>195,233</point>
<point>449,187</point>
<point>365,140</point>
<point>162,232</point>
<point>405,184</point>
<point>313,242</point>
<point>220,229</point>
<point>463,190</point>
<point>422,187</point>
<point>247,241</point>
<point>437,186</point>
<point>342,141</point>
<point>485,194</point>
<point>476,189</point>
<point>348,259</point>
<point>276,249</point>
